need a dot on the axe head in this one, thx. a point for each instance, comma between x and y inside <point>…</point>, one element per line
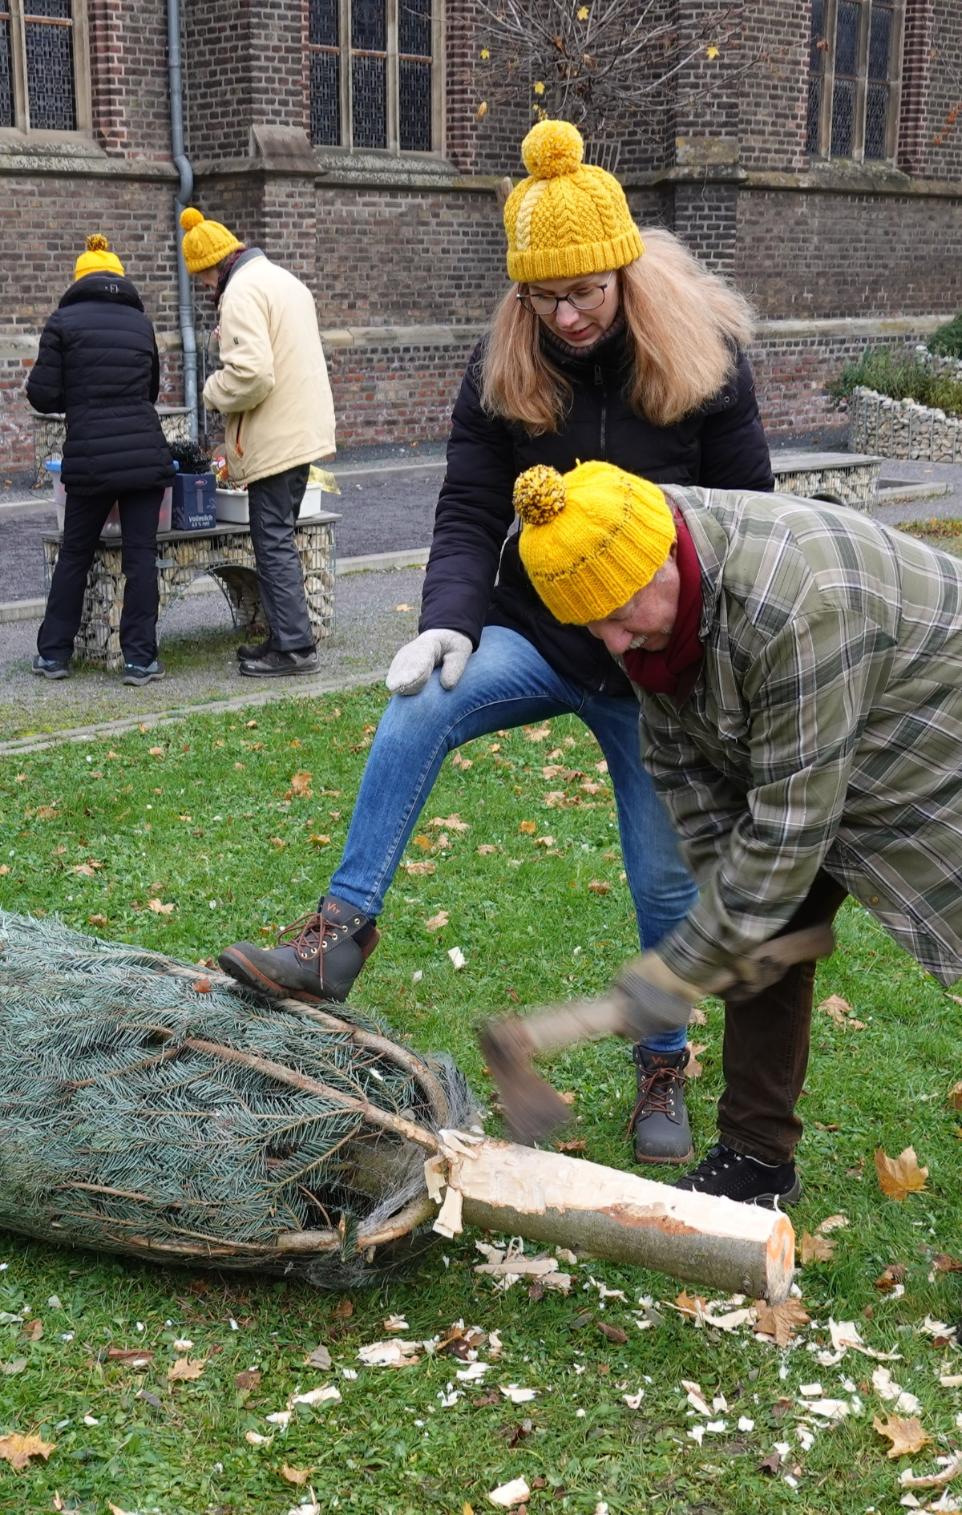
<point>532,1109</point>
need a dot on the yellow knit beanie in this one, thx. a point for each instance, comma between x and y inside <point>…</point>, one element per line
<point>206,243</point>
<point>97,259</point>
<point>591,538</point>
<point>568,219</point>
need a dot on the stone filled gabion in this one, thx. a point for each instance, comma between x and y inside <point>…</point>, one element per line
<point>154,1108</point>
<point>902,428</point>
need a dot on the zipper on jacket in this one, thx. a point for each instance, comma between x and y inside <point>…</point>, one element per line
<point>600,382</point>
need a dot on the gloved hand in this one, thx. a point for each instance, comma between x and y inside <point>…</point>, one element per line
<point>414,663</point>
<point>653,998</point>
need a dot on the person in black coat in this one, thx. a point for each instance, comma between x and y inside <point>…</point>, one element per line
<point>612,345</point>
<point>98,363</point>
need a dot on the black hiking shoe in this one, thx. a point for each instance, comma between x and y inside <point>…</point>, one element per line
<point>320,961</point>
<point>659,1120</point>
<point>251,652</point>
<point>50,668</point>
<point>732,1175</point>
<point>279,665</point>
<point>137,673</point>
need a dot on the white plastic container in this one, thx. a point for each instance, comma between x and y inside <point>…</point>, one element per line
<point>232,505</point>
<point>112,524</point>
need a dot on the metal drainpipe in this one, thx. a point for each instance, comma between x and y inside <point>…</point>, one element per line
<point>184,192</point>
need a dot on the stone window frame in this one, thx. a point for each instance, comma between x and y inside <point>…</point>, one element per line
<point>18,13</point>
<point>392,147</point>
<point>824,79</point>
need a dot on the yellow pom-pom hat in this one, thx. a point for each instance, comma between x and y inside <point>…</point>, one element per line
<point>97,259</point>
<point>206,243</point>
<point>568,218</point>
<point>591,538</point>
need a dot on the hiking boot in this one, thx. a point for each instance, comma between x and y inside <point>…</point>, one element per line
<point>50,668</point>
<point>660,1117</point>
<point>278,665</point>
<point>316,959</point>
<point>748,1179</point>
<point>251,652</point>
<point>138,673</point>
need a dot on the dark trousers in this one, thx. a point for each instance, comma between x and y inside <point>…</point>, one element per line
<point>274,505</point>
<point>765,1051</point>
<point>84,519</point>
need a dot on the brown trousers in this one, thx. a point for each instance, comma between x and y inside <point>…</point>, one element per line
<point>766,1045</point>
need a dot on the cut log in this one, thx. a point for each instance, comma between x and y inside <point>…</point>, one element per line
<point>566,1201</point>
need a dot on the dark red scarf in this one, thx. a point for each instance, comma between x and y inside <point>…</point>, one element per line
<point>674,670</point>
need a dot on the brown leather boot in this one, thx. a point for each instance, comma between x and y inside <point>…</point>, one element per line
<point>316,959</point>
<point>659,1120</point>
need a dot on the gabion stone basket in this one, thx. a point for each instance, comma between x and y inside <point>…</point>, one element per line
<point>150,1107</point>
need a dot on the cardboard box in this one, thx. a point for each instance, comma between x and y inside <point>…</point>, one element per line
<point>194,507</point>
<point>232,505</point>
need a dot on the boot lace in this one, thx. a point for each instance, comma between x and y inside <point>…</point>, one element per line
<point>656,1092</point>
<point>308,934</point>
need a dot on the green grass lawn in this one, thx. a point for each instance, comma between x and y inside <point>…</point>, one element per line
<point>206,816</point>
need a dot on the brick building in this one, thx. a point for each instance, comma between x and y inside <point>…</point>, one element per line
<point>821,169</point>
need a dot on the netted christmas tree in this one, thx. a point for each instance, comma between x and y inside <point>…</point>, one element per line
<point>151,1107</point>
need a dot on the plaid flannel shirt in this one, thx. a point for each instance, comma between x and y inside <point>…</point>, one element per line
<point>824,729</point>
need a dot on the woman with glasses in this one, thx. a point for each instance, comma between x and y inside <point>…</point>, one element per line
<point>610,345</point>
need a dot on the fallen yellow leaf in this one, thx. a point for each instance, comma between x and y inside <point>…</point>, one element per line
<point>295,1475</point>
<point>300,786</point>
<point>780,1321</point>
<point>18,1450</point>
<point>185,1368</point>
<point>905,1434</point>
<point>437,921</point>
<point>815,1249</point>
<point>900,1176</point>
<point>527,828</point>
<point>159,908</point>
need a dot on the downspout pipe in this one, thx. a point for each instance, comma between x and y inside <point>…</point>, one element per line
<point>185,188</point>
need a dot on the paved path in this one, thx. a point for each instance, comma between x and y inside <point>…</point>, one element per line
<point>385,507</point>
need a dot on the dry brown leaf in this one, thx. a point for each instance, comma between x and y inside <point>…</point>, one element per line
<point>449,823</point>
<point>598,886</point>
<point>249,1378</point>
<point>319,1358</point>
<point>900,1176</point>
<point>156,751</point>
<point>419,870</point>
<point>612,1333</point>
<point>295,1475</point>
<point>955,1096</point>
<point>300,786</point>
<point>485,849</point>
<point>343,1310</point>
<point>890,1276</point>
<point>527,828</point>
<point>771,1463</point>
<point>159,908</point>
<point>840,1011</point>
<point>905,1434</point>
<point>18,1450</point>
<point>815,1249</point>
<point>537,733</point>
<point>943,1263</point>
<point>693,1068</point>
<point>690,1304</point>
<point>831,1223</point>
<point>437,921</point>
<point>134,1357</point>
<point>186,1368</point>
<point>933,1480</point>
<point>578,1145</point>
<point>780,1321</point>
<point>46,812</point>
<point>33,1330</point>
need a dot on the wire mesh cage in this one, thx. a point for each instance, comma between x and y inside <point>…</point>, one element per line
<point>151,1107</point>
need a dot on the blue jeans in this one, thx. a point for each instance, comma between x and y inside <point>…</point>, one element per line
<point>508,683</point>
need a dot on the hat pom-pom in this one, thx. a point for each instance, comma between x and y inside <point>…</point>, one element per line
<point>539,495</point>
<point>190,217</point>
<point>552,148</point>
<point>96,243</point>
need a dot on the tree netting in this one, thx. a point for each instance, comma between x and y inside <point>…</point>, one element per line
<point>155,1108</point>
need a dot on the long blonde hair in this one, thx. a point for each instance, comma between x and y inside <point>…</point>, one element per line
<point>682,321</point>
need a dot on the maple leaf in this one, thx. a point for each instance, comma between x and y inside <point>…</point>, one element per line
<point>159,908</point>
<point>300,786</point>
<point>840,1012</point>
<point>527,828</point>
<point>185,1368</point>
<point>815,1249</point>
<point>831,1223</point>
<point>904,1432</point>
<point>780,1321</point>
<point>598,886</point>
<point>418,870</point>
<point>537,733</point>
<point>900,1176</point>
<point>449,823</point>
<point>295,1475</point>
<point>18,1450</point>
<point>437,921</point>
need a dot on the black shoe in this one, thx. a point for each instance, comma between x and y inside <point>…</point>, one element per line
<point>249,652</point>
<point>732,1175</point>
<point>323,957</point>
<point>660,1117</point>
<point>50,668</point>
<point>278,665</point>
<point>138,673</point>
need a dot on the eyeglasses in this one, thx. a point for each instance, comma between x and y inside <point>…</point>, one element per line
<point>587,297</point>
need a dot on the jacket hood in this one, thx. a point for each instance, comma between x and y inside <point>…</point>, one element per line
<point>119,291</point>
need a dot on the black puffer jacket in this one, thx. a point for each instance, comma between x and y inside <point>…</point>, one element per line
<point>98,363</point>
<point>723,444</point>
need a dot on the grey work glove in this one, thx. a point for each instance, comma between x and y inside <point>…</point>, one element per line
<point>415,662</point>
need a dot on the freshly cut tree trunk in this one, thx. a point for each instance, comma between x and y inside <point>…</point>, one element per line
<point>569,1202</point>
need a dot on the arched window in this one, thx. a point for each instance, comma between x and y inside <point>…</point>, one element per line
<point>854,79</point>
<point>374,74</point>
<point>43,75</point>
